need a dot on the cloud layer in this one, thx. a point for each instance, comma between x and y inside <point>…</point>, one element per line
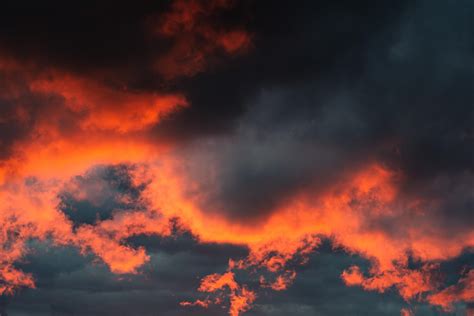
<point>139,137</point>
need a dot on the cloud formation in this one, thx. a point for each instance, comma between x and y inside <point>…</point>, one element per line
<point>266,130</point>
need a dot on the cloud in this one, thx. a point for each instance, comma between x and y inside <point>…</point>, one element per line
<point>463,291</point>
<point>195,39</point>
<point>325,121</point>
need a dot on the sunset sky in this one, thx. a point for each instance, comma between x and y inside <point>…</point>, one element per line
<point>237,157</point>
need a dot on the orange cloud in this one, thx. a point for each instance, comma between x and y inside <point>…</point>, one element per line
<point>282,282</point>
<point>342,212</point>
<point>27,211</point>
<point>99,107</point>
<point>463,291</point>
<point>196,40</point>
<point>200,303</point>
<point>81,123</point>
<point>348,213</point>
<point>240,297</point>
<point>410,283</point>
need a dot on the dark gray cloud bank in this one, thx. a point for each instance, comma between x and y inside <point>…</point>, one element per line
<point>328,86</point>
<point>402,97</point>
<point>69,284</point>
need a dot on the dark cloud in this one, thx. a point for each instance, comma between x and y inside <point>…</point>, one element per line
<point>81,36</point>
<point>315,41</point>
<point>99,193</point>
<point>14,126</point>
<point>387,96</point>
<point>68,286</point>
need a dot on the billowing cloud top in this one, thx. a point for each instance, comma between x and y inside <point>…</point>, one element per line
<point>242,142</point>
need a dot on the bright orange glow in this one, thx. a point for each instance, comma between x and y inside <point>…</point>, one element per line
<point>106,126</point>
<point>240,296</point>
<point>409,283</point>
<point>103,108</point>
<point>293,230</point>
<point>214,282</point>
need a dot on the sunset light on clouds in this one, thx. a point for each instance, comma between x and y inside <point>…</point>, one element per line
<point>225,157</point>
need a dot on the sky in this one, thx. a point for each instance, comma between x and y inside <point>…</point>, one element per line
<point>237,157</point>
